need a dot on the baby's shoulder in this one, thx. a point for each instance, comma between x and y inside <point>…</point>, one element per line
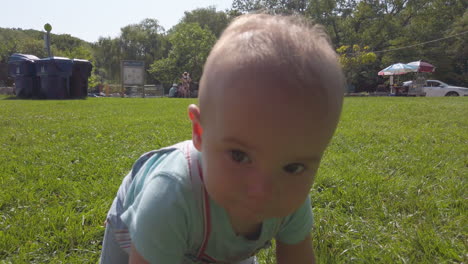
<point>162,178</point>
<point>178,165</point>
<point>171,160</point>
<point>168,163</point>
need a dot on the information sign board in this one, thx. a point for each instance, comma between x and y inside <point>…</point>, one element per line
<point>133,73</point>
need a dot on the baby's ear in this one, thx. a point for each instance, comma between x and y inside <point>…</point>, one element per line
<point>197,131</point>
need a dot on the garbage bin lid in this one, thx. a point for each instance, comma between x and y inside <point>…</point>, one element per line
<point>80,60</point>
<point>56,58</point>
<point>58,65</point>
<point>22,57</point>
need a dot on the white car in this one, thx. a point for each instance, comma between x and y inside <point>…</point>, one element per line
<point>438,88</point>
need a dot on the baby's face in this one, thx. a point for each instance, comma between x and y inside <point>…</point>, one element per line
<point>262,149</point>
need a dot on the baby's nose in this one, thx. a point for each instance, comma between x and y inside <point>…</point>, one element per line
<point>260,187</point>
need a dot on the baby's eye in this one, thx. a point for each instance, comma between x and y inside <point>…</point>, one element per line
<point>239,156</point>
<point>294,168</point>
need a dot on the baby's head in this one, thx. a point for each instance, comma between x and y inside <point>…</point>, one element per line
<point>269,102</point>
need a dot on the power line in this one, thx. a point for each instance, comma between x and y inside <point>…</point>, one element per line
<point>422,43</point>
<point>418,44</point>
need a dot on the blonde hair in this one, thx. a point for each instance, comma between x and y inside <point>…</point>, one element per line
<point>298,49</point>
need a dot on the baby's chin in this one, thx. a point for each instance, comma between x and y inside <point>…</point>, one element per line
<point>258,215</point>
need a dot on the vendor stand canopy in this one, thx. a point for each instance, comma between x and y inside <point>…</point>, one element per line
<point>398,69</point>
<point>422,66</point>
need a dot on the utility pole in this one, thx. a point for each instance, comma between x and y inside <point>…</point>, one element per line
<point>47,28</point>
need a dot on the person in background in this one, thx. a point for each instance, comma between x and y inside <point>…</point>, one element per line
<point>186,80</point>
<point>173,90</point>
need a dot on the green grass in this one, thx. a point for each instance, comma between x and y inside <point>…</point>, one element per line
<point>392,187</point>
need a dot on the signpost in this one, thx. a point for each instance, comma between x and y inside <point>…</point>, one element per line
<point>133,74</point>
<point>47,28</point>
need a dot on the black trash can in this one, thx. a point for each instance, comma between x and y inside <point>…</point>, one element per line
<point>22,68</point>
<point>81,71</point>
<point>54,73</point>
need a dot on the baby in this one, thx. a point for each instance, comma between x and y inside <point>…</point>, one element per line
<point>269,102</point>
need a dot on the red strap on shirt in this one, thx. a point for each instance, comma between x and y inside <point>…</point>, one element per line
<point>206,219</point>
<point>197,182</point>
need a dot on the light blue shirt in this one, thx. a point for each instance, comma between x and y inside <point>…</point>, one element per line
<point>172,91</point>
<point>165,221</point>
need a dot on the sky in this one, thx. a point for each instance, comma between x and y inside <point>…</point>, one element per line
<point>91,19</point>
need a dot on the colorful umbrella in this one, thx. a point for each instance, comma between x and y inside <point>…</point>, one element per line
<point>398,68</point>
<point>423,66</point>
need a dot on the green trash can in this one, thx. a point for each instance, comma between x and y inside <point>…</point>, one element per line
<point>54,73</point>
<point>22,68</point>
<point>81,71</point>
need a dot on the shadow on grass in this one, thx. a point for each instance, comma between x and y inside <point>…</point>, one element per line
<point>12,97</point>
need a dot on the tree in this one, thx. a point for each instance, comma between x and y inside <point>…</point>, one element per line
<point>457,49</point>
<point>331,14</point>
<point>32,46</point>
<point>355,61</point>
<point>397,30</point>
<point>190,45</point>
<point>20,41</point>
<point>65,43</point>
<point>215,21</point>
<point>10,44</point>
<point>271,6</point>
<point>107,55</point>
<point>423,32</point>
<point>143,41</point>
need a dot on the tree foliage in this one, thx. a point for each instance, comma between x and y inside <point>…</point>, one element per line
<point>108,55</point>
<point>369,35</point>
<point>32,42</point>
<point>272,6</point>
<point>207,18</point>
<point>143,41</point>
<point>394,30</point>
<point>190,45</point>
<point>355,61</point>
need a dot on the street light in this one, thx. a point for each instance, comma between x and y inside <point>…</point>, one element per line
<point>47,28</point>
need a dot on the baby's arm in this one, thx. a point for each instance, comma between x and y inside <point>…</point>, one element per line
<point>157,222</point>
<point>135,257</point>
<point>300,253</point>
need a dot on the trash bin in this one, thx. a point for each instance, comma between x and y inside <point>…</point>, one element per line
<point>81,71</point>
<point>22,68</point>
<point>54,73</point>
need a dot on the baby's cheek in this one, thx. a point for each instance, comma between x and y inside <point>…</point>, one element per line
<point>295,192</point>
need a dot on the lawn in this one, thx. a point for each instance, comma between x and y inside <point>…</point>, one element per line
<point>392,187</point>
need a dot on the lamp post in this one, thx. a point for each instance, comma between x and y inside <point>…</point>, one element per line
<point>47,28</point>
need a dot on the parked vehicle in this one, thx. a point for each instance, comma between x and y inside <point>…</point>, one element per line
<point>438,88</point>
